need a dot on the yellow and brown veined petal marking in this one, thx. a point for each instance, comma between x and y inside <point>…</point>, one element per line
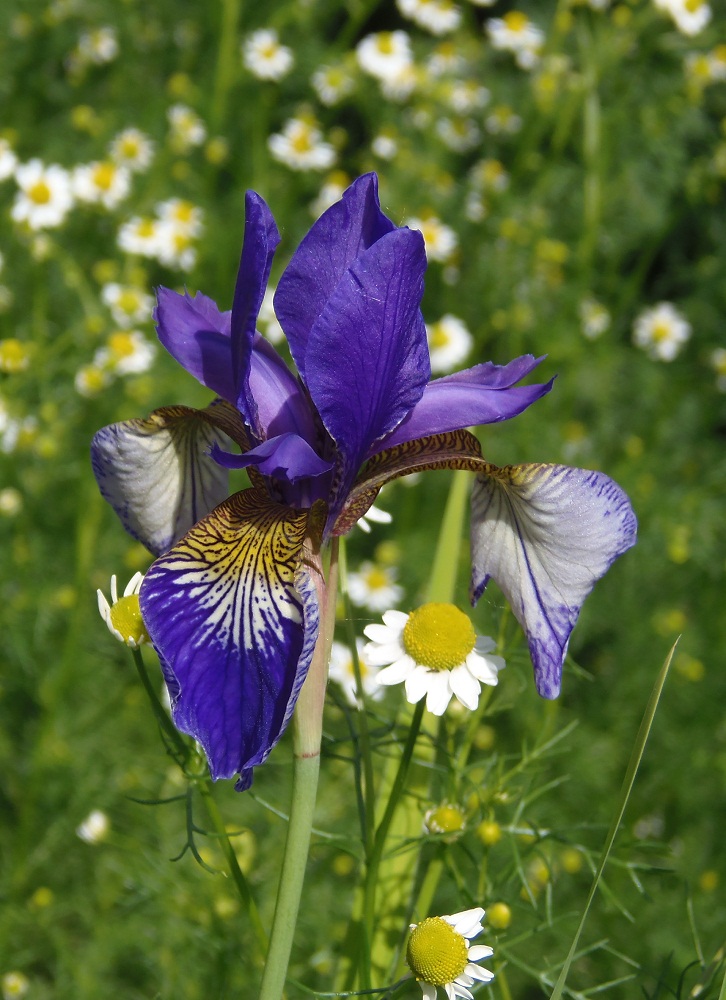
<point>157,474</point>
<point>234,621</point>
<point>452,450</point>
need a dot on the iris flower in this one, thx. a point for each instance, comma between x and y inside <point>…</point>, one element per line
<point>233,601</point>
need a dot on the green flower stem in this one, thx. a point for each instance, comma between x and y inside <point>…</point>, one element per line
<point>307,737</point>
<point>227,61</point>
<point>379,842</point>
<point>178,747</point>
<point>442,582</point>
<point>362,718</point>
<point>238,877</point>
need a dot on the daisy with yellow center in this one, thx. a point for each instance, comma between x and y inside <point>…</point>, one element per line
<point>374,586</point>
<point>438,954</point>
<point>661,331</point>
<point>45,196</point>
<point>435,653</point>
<point>132,149</point>
<point>123,614</point>
<point>447,818</point>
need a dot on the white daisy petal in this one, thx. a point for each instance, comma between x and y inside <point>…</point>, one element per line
<point>464,979</point>
<point>484,644</point>
<point>467,922</point>
<point>461,991</point>
<point>465,686</point>
<point>450,991</point>
<point>429,991</point>
<point>395,620</point>
<point>380,655</point>
<point>476,972</point>
<point>397,673</point>
<point>417,685</point>
<point>485,668</point>
<point>478,952</point>
<point>439,692</point>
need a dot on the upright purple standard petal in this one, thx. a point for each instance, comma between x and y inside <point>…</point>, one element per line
<point>546,534</point>
<point>339,236</point>
<point>484,394</point>
<point>196,334</point>
<point>260,242</point>
<point>367,357</point>
<point>234,633</point>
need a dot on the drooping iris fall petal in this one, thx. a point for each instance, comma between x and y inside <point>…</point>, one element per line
<point>546,534</point>
<point>234,618</point>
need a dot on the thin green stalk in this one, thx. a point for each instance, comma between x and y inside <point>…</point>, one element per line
<point>227,61</point>
<point>442,582</point>
<point>421,905</point>
<point>238,877</point>
<point>379,842</point>
<point>179,748</point>
<point>362,718</point>
<point>307,736</point>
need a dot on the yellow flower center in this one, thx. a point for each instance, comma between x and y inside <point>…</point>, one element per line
<point>438,636</point>
<point>183,211</point>
<point>146,228</point>
<point>121,344</point>
<point>385,44</point>
<point>39,193</point>
<point>103,176</point>
<point>126,619</point>
<point>516,21</point>
<point>130,147</point>
<point>661,331</point>
<point>14,356</point>
<point>376,578</point>
<point>128,301</point>
<point>439,337</point>
<point>436,954</point>
<point>693,5</point>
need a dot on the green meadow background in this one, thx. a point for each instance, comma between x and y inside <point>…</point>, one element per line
<point>615,193</point>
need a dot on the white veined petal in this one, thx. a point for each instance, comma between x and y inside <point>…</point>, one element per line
<point>417,684</point>
<point>439,692</point>
<point>465,686</point>
<point>478,952</point>
<point>476,972</point>
<point>429,991</point>
<point>398,672</point>
<point>546,534</point>
<point>485,668</point>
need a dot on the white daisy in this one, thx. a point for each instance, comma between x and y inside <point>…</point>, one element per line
<point>174,247</point>
<point>441,241</point>
<point>374,586</point>
<point>515,33</point>
<point>437,16</point>
<point>94,827</point>
<point>332,84</point>
<point>449,343</point>
<point>458,134</point>
<point>99,45</point>
<point>267,321</point>
<point>331,191</point>
<point>11,501</point>
<point>45,196</point>
<point>300,146</point>
<point>446,58</point>
<point>385,146</point>
<point>140,235</point>
<point>503,121</point>
<point>127,352</point>
<point>132,149</point>
<point>342,672</point>
<point>689,16</point>
<point>123,615</point>
<point>14,985</point>
<point>101,183</point>
<point>465,96</point>
<point>8,160</point>
<point>384,55</point>
<point>490,175</point>
<point>186,127</point>
<point>128,305</point>
<point>265,57</point>
<point>594,317</point>
<point>718,363</point>
<point>436,653</point>
<point>661,331</point>
<point>90,381</point>
<point>438,954</point>
<point>183,215</point>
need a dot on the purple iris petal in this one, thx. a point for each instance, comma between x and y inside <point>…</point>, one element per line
<point>484,394</point>
<point>260,242</point>
<point>196,334</point>
<point>282,405</point>
<point>367,358</point>
<point>339,236</point>
<point>235,627</point>
<point>287,457</point>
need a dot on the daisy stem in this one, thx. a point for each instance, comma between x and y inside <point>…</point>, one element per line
<point>307,736</point>
<point>175,742</point>
<point>379,841</point>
